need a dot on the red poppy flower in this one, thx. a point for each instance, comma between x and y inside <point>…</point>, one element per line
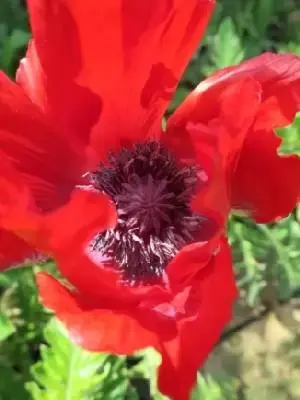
<point>133,215</point>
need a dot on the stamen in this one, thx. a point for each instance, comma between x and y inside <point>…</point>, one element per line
<point>152,196</point>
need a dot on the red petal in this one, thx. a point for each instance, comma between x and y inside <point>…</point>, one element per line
<point>189,261</point>
<point>13,250</point>
<point>74,108</point>
<point>87,213</point>
<point>211,300</point>
<point>18,221</point>
<point>30,77</point>
<point>204,131</point>
<point>66,234</point>
<point>110,324</point>
<point>16,206</point>
<point>46,163</point>
<point>131,54</point>
<point>261,173</point>
<point>95,329</point>
<point>265,184</point>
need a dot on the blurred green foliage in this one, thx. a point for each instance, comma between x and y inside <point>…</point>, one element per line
<point>37,361</point>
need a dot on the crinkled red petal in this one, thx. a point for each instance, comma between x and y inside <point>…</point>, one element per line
<point>106,323</point>
<point>46,164</point>
<point>204,132</point>
<point>265,184</point>
<point>95,329</point>
<point>75,109</point>
<point>66,234</point>
<point>16,204</point>
<point>189,261</point>
<point>87,213</point>
<point>144,48</point>
<point>210,308</point>
<point>261,173</point>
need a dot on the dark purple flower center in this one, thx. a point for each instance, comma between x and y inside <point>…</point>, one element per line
<point>152,195</point>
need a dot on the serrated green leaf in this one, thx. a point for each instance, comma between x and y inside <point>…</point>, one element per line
<point>266,254</point>
<point>228,48</point>
<point>67,372</point>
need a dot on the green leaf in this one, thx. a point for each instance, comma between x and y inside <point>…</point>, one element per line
<point>10,46</point>
<point>290,137</point>
<point>228,49</point>
<point>67,372</point>
<point>209,388</point>
<point>19,303</point>
<point>12,385</point>
<point>266,255</point>
<point>6,327</point>
<point>147,369</point>
<point>262,12</point>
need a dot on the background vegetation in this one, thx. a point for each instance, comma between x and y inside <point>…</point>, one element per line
<point>259,354</point>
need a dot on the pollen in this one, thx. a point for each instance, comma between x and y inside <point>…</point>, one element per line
<point>152,194</point>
